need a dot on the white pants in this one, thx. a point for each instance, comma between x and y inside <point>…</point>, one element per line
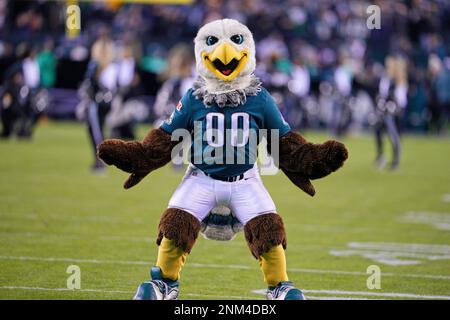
<point>198,194</point>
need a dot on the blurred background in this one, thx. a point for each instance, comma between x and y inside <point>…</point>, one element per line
<point>318,58</point>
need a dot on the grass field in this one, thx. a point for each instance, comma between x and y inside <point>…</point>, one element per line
<point>55,213</point>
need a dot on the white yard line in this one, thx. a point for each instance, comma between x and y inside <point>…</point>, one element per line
<point>186,294</point>
<point>365,293</point>
<point>252,298</point>
<point>384,274</point>
<point>217,266</point>
<point>336,293</point>
<point>119,291</point>
<point>438,220</point>
<point>395,254</point>
<point>416,248</point>
<point>47,218</point>
<point>378,294</point>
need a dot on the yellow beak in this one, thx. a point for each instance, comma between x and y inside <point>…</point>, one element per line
<point>225,62</point>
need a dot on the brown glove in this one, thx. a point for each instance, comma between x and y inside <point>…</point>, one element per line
<point>138,157</point>
<point>301,160</point>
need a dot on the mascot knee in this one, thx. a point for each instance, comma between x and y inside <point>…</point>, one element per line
<point>265,232</point>
<point>179,226</point>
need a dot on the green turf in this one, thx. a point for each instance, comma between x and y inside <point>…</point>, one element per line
<point>53,211</point>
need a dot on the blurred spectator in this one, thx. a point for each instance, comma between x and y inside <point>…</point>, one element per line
<point>343,82</point>
<point>299,86</point>
<point>22,99</point>
<point>47,65</point>
<point>126,107</point>
<point>97,92</point>
<point>440,85</point>
<point>177,79</point>
<point>302,35</point>
<point>31,71</point>
<point>11,100</point>
<point>391,103</point>
<point>35,100</point>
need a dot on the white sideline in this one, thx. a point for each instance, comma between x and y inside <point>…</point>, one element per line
<point>219,266</point>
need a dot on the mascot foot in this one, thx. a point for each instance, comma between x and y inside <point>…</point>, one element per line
<point>285,291</point>
<point>158,288</point>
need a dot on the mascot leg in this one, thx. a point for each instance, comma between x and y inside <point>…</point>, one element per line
<point>266,238</point>
<point>177,233</point>
<point>273,265</point>
<point>170,259</point>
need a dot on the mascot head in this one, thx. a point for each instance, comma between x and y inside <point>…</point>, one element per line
<point>225,52</point>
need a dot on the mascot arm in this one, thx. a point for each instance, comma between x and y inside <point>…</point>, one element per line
<point>301,160</point>
<point>138,157</point>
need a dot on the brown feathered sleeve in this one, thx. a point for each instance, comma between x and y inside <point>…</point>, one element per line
<point>301,160</point>
<point>138,157</point>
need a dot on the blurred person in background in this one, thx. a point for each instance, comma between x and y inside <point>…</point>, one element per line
<point>274,72</point>
<point>414,28</point>
<point>11,82</point>
<point>47,65</point>
<point>12,102</point>
<point>22,100</point>
<point>177,79</point>
<point>96,92</point>
<point>299,85</point>
<point>390,105</point>
<point>36,99</point>
<point>341,115</point>
<point>126,108</point>
<point>440,93</point>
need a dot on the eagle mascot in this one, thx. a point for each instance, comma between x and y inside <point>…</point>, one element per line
<point>224,107</point>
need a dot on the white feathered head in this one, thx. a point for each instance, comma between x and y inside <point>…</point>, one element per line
<point>224,50</point>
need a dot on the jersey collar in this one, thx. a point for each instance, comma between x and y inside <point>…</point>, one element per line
<point>226,94</point>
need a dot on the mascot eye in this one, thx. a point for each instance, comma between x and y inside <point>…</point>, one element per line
<point>237,38</point>
<point>210,40</point>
